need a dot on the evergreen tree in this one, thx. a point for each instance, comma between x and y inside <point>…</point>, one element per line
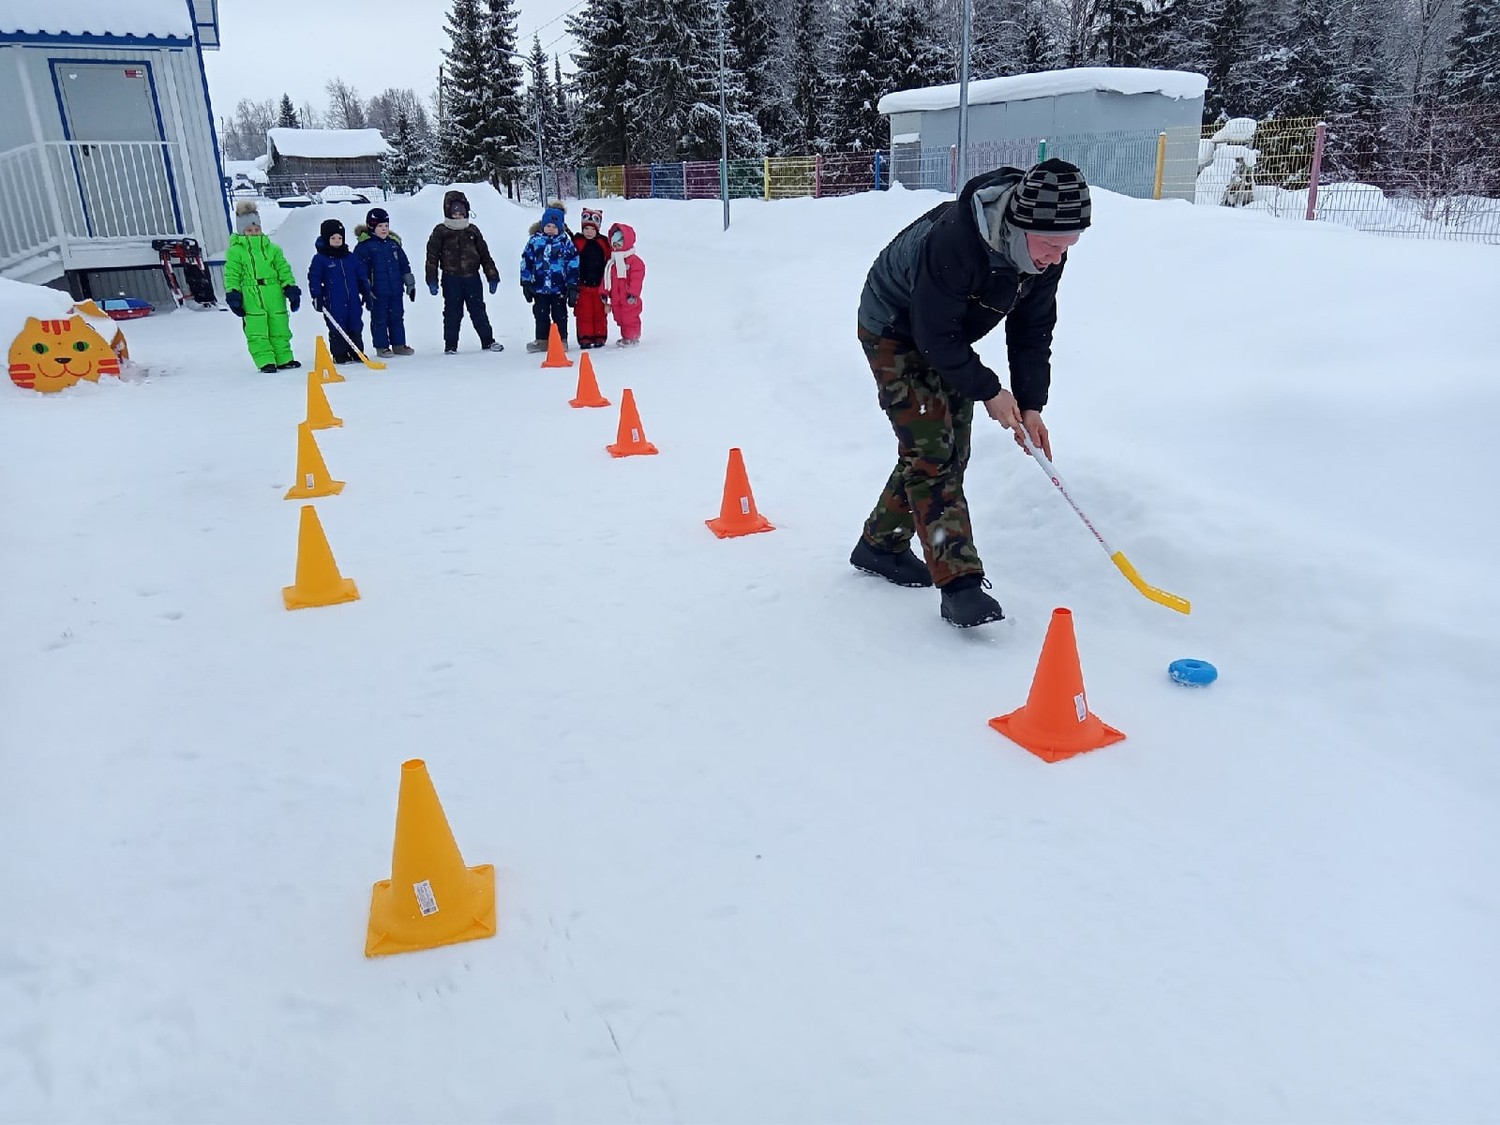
<point>677,102</point>
<point>1117,33</point>
<point>1230,75</point>
<point>287,116</point>
<point>562,117</point>
<point>862,76</point>
<point>481,126</point>
<point>408,167</point>
<point>1306,64</point>
<point>605,80</point>
<point>922,54</point>
<point>1358,133</point>
<point>806,57</point>
<point>1039,46</point>
<point>1472,74</point>
<point>752,42</point>
<point>541,105</point>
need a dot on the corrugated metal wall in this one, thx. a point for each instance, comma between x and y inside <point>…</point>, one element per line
<point>147,284</point>
<point>183,106</point>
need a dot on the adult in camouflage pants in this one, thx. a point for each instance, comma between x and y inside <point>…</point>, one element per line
<point>925,492</point>
<point>947,280</point>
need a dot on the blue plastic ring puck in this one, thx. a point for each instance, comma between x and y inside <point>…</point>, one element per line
<point>1192,673</point>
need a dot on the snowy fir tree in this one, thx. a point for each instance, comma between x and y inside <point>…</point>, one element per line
<point>408,167</point>
<point>481,126</point>
<point>605,81</point>
<point>807,70</point>
<point>1472,73</point>
<point>753,49</point>
<point>286,117</point>
<point>922,54</point>
<point>541,105</point>
<point>862,76</point>
<point>1306,64</point>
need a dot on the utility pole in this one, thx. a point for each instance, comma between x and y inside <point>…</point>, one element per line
<point>724,124</point>
<point>966,27</point>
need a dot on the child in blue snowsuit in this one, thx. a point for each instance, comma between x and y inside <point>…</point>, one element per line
<point>339,287</point>
<point>380,252</point>
<point>549,277</point>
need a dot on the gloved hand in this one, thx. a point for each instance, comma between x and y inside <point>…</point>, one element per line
<point>409,283</point>
<point>632,300</point>
<point>494,287</point>
<point>432,288</point>
<point>236,302</point>
<point>528,291</point>
<point>293,297</point>
<point>572,296</point>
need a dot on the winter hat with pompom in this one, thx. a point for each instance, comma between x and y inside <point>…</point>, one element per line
<point>1052,197</point>
<point>246,215</point>
<point>593,218</point>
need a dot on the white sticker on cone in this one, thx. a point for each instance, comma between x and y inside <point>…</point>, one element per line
<point>1081,706</point>
<point>310,480</point>
<point>425,900</point>
<point>744,505</point>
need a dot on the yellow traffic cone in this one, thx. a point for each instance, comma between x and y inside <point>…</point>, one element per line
<point>312,474</point>
<point>319,413</point>
<point>431,898</point>
<point>318,579</point>
<point>323,363</point>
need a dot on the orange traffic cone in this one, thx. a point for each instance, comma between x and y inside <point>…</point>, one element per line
<point>556,357</point>
<point>323,364</point>
<point>431,898</point>
<point>630,441</point>
<point>312,473</point>
<point>319,413</point>
<point>1056,722</point>
<point>318,579</point>
<point>588,387</point>
<point>738,514</point>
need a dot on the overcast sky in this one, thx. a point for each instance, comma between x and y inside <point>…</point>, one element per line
<point>296,46</point>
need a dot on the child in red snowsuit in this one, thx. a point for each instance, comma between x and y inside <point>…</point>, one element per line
<point>593,256</point>
<point>623,278</point>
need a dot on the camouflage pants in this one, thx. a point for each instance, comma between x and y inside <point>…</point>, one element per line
<point>925,493</point>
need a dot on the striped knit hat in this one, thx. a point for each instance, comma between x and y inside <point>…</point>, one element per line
<point>1052,196</point>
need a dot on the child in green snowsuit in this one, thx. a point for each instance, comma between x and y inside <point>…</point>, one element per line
<point>258,287</point>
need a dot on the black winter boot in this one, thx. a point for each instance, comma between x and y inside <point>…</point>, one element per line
<point>901,567</point>
<point>965,604</point>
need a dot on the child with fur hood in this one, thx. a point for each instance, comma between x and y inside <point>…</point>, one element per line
<point>623,279</point>
<point>259,287</point>
<point>549,278</point>
<point>379,250</point>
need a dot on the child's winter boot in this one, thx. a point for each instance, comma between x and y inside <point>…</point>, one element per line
<point>402,349</point>
<point>536,346</point>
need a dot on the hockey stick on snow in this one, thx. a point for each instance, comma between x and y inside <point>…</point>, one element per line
<point>1160,597</point>
<point>372,364</point>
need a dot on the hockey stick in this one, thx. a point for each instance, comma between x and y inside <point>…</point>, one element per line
<point>1160,597</point>
<point>372,364</point>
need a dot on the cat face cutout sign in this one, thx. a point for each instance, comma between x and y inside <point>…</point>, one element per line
<point>52,355</point>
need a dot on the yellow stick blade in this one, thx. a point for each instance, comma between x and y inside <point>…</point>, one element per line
<point>1160,597</point>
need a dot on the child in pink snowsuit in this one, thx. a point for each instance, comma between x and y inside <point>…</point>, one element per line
<point>623,277</point>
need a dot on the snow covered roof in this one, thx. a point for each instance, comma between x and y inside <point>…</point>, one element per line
<point>163,19</point>
<point>1048,83</point>
<point>325,144</point>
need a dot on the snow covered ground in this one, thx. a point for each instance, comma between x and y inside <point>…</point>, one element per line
<point>759,856</point>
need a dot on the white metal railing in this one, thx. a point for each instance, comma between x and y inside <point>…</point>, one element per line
<point>26,223</point>
<point>111,190</point>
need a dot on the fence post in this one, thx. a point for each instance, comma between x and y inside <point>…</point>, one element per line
<point>1161,163</point>
<point>879,167</point>
<point>765,178</point>
<point>818,176</point>
<point>953,168</point>
<point>685,194</point>
<point>1041,150</point>
<point>1317,166</point>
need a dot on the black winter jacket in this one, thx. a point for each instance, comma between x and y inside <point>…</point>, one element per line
<point>940,286</point>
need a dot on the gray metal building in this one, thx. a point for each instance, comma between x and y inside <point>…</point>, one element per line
<point>1104,119</point>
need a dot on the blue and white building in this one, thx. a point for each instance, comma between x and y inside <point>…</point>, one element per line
<point>106,141</point>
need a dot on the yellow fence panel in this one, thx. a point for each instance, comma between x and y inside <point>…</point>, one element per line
<point>611,180</point>
<point>790,176</point>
